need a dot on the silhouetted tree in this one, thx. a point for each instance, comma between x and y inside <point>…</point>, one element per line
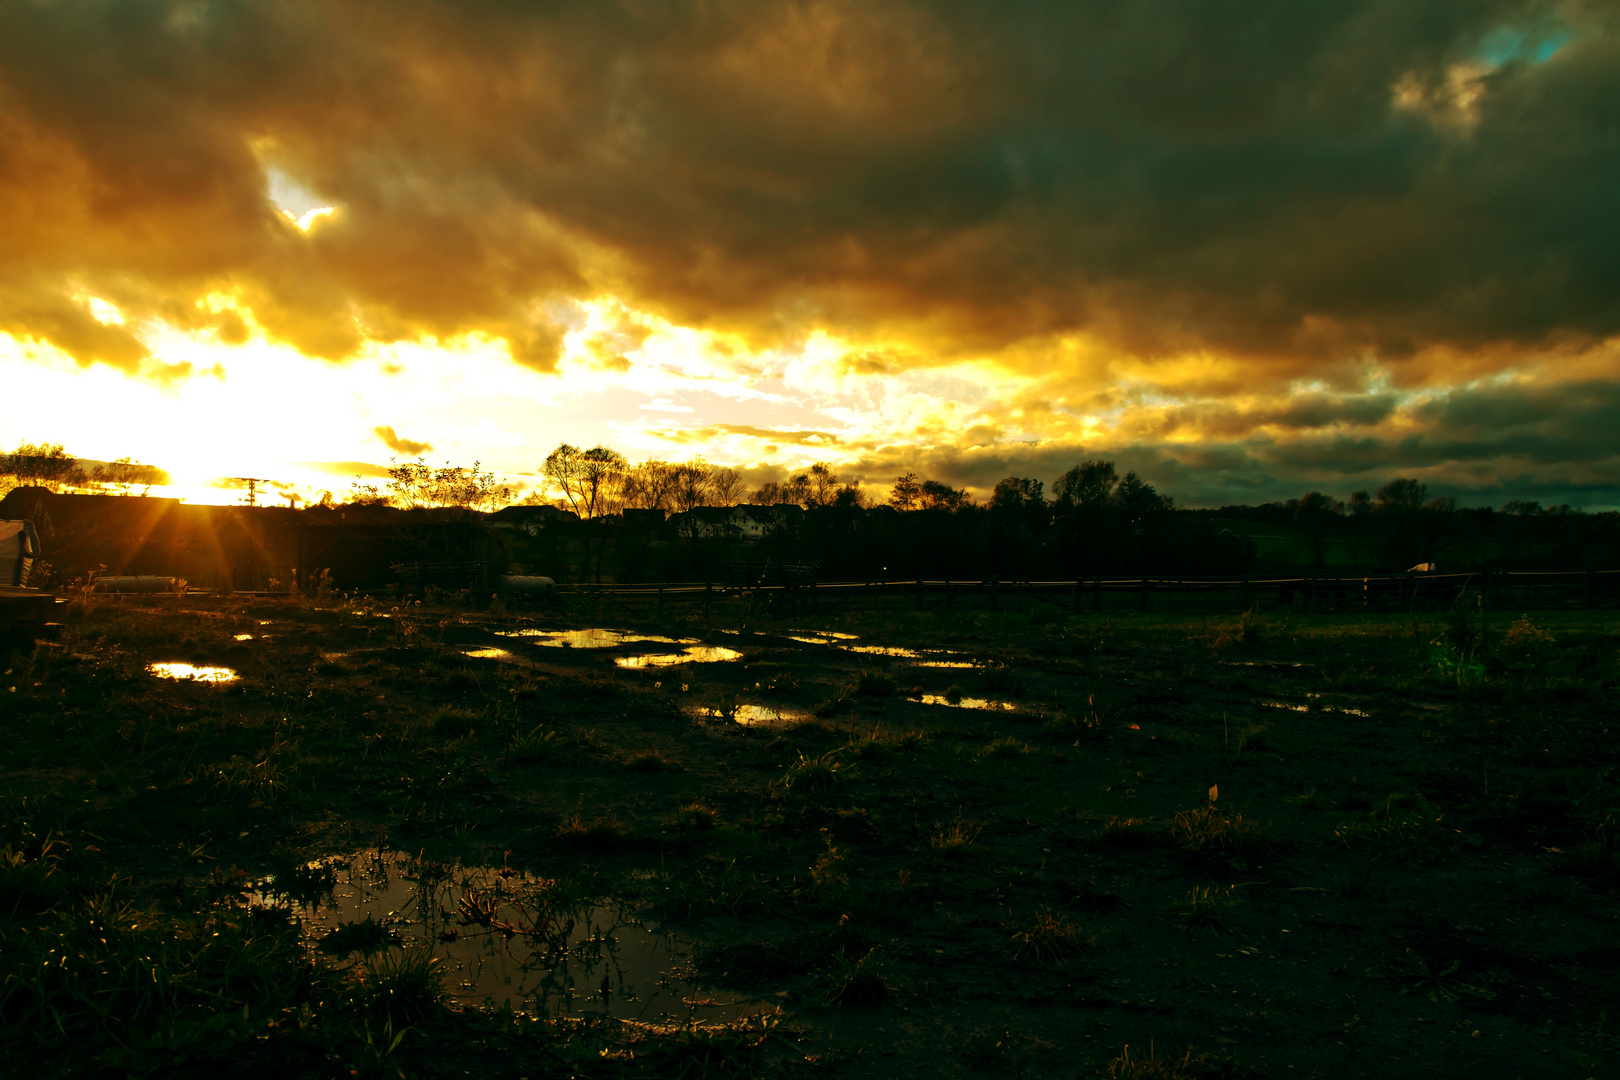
<point>1314,511</point>
<point>906,493</point>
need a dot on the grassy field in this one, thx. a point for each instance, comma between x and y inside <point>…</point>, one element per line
<point>1271,846</point>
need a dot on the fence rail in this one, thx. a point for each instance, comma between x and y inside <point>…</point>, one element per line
<point>1579,588</point>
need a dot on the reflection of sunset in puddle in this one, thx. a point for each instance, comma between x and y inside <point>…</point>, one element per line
<point>488,654</point>
<point>501,936</point>
<point>697,654</point>
<point>591,639</point>
<point>242,637</point>
<point>192,672</point>
<point>755,715</point>
<point>818,637</point>
<point>1315,706</point>
<point>966,703</point>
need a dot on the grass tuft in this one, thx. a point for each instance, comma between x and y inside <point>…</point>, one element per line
<point>1050,938</point>
<point>863,980</point>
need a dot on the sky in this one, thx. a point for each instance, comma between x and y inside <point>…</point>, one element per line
<point>1248,249</point>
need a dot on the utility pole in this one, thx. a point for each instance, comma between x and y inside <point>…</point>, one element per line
<point>253,483</point>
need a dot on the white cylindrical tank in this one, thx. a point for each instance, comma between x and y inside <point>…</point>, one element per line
<point>524,583</point>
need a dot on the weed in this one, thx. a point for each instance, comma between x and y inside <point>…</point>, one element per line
<point>696,817</point>
<point>1127,834</point>
<point>953,841</point>
<point>954,694</point>
<point>30,884</point>
<point>830,872</point>
<point>1415,976</point>
<point>1255,737</point>
<point>404,986</point>
<point>874,683</point>
<point>581,834</point>
<point>912,742</point>
<point>1004,747</point>
<point>1050,937</point>
<point>873,747</point>
<point>454,722</point>
<point>652,761</point>
<point>1308,799</point>
<point>1076,726</point>
<point>996,1049</point>
<point>817,774</point>
<point>1206,908</point>
<point>1406,829</point>
<point>366,937</point>
<point>863,980</point>
<point>537,745</point>
<point>1190,1066</point>
<point>1210,831</point>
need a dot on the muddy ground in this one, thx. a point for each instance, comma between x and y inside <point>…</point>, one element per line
<point>948,843</point>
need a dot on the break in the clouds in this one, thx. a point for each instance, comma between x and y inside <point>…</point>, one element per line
<point>1250,245</point>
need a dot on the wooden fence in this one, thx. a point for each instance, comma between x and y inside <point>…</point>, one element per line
<point>1497,588</point>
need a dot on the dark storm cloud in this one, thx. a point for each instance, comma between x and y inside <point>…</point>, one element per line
<point>1484,446</point>
<point>1231,176</point>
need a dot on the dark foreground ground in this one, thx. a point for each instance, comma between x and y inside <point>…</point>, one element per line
<point>1277,846</point>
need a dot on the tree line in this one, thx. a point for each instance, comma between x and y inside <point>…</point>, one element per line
<point>50,466</point>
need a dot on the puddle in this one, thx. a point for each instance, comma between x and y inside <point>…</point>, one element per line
<point>1266,663</point>
<point>193,672</point>
<point>489,654</point>
<point>697,654</point>
<point>1316,707</point>
<point>966,703</point>
<point>819,637</point>
<point>755,715</point>
<point>921,659</point>
<point>591,639</point>
<point>504,937</point>
<point>241,637</point>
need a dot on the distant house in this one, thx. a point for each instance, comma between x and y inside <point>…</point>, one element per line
<point>532,519</point>
<point>736,522</point>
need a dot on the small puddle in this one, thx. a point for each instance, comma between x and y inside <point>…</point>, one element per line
<point>966,703</point>
<point>193,672</point>
<point>754,715</point>
<point>697,654</point>
<point>242,637</point>
<point>489,654</point>
<point>1312,707</point>
<point>591,639</point>
<point>819,637</point>
<point>501,937</point>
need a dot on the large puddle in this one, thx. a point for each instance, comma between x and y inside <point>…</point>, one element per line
<point>192,672</point>
<point>503,938</point>
<point>966,703</point>
<point>753,715</point>
<point>697,654</point>
<point>592,639</point>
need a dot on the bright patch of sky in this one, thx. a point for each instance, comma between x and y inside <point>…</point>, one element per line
<point>1507,44</point>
